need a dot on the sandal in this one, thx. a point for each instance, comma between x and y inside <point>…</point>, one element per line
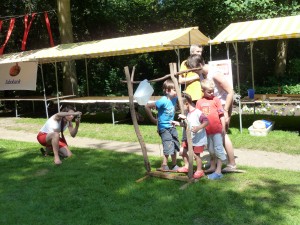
<point>198,174</point>
<point>183,170</point>
<point>209,170</point>
<point>163,168</point>
<point>43,151</point>
<point>229,168</point>
<point>215,176</point>
<point>175,168</point>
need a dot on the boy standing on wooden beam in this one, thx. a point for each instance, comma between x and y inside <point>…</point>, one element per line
<point>166,111</point>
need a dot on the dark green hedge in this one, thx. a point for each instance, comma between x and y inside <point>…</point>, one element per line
<point>285,89</point>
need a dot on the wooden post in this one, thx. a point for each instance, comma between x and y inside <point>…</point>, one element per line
<point>134,120</point>
<point>173,70</point>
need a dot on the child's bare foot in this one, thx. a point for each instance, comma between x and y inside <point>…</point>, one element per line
<point>183,170</point>
<point>210,170</point>
<point>57,161</point>
<point>198,174</point>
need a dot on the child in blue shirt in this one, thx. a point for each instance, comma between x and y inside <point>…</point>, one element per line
<point>166,111</point>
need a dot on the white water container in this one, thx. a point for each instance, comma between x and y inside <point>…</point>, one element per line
<point>143,92</point>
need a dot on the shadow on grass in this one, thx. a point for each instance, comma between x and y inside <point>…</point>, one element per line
<point>98,187</point>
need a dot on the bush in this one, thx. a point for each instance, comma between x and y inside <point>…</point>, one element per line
<point>291,89</point>
<point>294,69</point>
<point>285,89</point>
<point>289,83</point>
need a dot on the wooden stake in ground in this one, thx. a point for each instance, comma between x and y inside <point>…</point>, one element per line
<point>173,70</point>
<point>134,119</point>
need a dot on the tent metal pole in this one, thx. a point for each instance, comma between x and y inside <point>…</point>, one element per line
<point>237,65</point>
<point>57,94</point>
<point>87,78</point>
<point>70,69</point>
<point>112,113</point>
<point>235,46</point>
<point>16,108</point>
<point>44,90</point>
<point>240,114</point>
<point>227,50</point>
<point>252,67</point>
<point>210,51</point>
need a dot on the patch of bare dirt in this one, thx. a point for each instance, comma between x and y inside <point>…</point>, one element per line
<point>13,123</point>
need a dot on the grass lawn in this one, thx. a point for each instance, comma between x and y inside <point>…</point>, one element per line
<point>98,187</point>
<point>275,141</point>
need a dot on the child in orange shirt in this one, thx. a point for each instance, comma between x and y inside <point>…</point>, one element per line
<point>211,106</point>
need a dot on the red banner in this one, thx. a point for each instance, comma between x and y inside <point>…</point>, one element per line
<point>26,30</point>
<point>49,29</point>
<point>10,29</point>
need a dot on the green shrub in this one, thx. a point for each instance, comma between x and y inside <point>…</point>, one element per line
<point>285,89</point>
<point>291,89</point>
<point>294,69</point>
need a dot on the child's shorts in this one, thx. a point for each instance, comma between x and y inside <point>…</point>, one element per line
<point>197,149</point>
<point>41,137</point>
<point>169,137</point>
<point>215,146</point>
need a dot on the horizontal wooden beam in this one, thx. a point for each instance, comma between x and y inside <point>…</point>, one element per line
<point>170,176</point>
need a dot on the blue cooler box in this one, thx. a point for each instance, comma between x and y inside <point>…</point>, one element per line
<point>261,132</point>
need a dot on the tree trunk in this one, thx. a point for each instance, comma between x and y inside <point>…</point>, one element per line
<point>70,86</point>
<point>281,55</point>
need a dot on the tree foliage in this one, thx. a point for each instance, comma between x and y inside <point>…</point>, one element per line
<point>102,19</point>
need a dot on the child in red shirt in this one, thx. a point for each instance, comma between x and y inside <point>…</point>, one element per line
<point>211,106</point>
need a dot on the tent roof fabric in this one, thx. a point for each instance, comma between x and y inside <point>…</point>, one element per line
<point>152,42</point>
<point>267,29</point>
<point>17,57</point>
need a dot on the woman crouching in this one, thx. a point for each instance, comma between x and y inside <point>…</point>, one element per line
<point>51,134</point>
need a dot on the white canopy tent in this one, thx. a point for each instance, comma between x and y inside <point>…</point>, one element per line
<point>250,31</point>
<point>151,42</point>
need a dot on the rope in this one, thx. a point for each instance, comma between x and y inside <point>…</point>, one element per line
<point>21,16</point>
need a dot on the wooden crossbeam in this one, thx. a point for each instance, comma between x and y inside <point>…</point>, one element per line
<point>170,176</point>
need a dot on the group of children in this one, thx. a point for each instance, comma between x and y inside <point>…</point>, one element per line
<point>206,122</point>
<point>207,103</point>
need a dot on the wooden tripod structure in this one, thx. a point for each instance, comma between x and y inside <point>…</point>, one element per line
<point>173,176</point>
